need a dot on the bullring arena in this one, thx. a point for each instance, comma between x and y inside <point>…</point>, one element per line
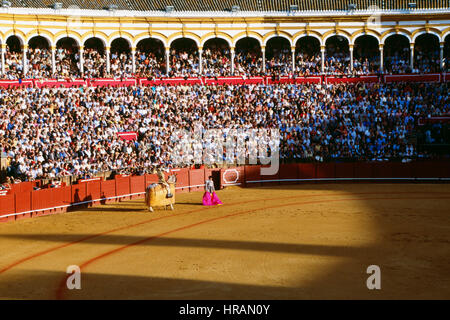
<point>95,98</point>
<point>312,240</point>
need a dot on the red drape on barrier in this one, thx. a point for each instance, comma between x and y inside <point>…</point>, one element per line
<point>170,81</point>
<point>59,83</point>
<point>15,83</point>
<point>112,82</point>
<point>435,77</point>
<point>234,80</point>
<point>367,79</point>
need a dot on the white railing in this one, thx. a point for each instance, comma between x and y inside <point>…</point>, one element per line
<point>135,13</point>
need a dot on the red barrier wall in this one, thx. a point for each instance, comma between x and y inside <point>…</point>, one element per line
<point>196,179</point>
<point>122,186</point>
<point>23,201</point>
<point>364,170</point>
<point>170,81</point>
<point>7,207</point>
<point>306,171</point>
<point>252,176</point>
<point>182,179</point>
<point>78,192</point>
<point>150,178</point>
<point>288,172</point>
<point>234,80</point>
<point>108,189</point>
<point>344,169</point>
<point>137,184</point>
<point>435,77</point>
<point>57,83</point>
<point>232,176</point>
<point>325,171</point>
<point>53,200</point>
<point>112,82</point>
<point>275,177</point>
<point>93,191</point>
<point>15,83</point>
<point>367,79</point>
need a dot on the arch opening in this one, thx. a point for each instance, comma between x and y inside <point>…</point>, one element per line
<point>216,58</point>
<point>13,58</point>
<point>121,62</point>
<point>366,55</point>
<point>397,54</point>
<point>67,58</point>
<point>426,53</point>
<point>39,58</point>
<point>150,58</point>
<point>278,56</point>
<point>337,55</point>
<point>184,58</point>
<point>307,56</point>
<point>248,57</point>
<point>94,58</point>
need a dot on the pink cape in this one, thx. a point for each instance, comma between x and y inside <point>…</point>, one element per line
<point>211,201</point>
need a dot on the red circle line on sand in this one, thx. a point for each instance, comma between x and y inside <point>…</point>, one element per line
<point>68,244</point>
<point>61,287</point>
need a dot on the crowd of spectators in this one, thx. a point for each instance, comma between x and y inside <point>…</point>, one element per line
<point>56,132</point>
<point>216,61</point>
<point>184,63</point>
<point>121,65</point>
<point>94,63</point>
<point>248,63</point>
<point>39,63</point>
<point>150,65</point>
<point>13,64</point>
<point>66,63</point>
<point>307,64</point>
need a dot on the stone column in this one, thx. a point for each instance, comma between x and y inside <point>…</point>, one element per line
<point>411,49</point>
<point>108,66</point>
<point>24,59</point>
<point>232,60</point>
<point>263,49</point>
<point>441,56</point>
<point>3,58</point>
<point>81,61</point>
<point>133,58</point>
<point>200,60</point>
<point>380,47</point>
<point>351,57</point>
<point>293,58</point>
<point>53,49</point>
<point>322,52</point>
<point>167,60</point>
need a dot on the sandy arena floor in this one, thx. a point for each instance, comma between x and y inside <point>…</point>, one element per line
<point>285,242</point>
